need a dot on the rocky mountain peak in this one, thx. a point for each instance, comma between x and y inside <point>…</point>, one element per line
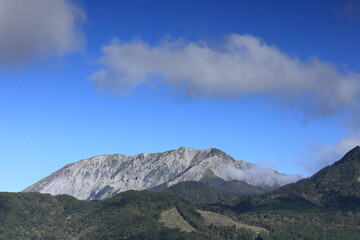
<point>105,175</point>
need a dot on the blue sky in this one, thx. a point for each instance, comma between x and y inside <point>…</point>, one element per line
<point>275,83</point>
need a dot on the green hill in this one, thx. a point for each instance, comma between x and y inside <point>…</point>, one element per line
<point>335,187</point>
<point>129,215</point>
<point>324,206</point>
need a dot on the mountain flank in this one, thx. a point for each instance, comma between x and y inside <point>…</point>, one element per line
<point>106,175</point>
<point>335,187</point>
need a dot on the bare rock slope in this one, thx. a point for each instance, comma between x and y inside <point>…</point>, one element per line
<point>106,175</point>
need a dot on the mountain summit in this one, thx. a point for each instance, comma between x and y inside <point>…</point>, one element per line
<point>342,176</point>
<point>106,175</point>
<point>334,187</point>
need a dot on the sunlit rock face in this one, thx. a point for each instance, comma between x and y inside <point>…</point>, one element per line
<point>106,175</point>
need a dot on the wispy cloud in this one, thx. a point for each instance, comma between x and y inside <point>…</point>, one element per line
<point>349,10</point>
<point>321,155</point>
<point>240,65</point>
<point>35,29</point>
<point>258,175</point>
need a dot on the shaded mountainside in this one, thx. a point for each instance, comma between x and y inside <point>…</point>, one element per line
<point>235,186</point>
<point>335,187</point>
<point>325,206</point>
<point>106,175</point>
<point>200,193</point>
<point>129,215</point>
<point>211,190</point>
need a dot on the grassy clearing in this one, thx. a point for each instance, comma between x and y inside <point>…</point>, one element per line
<point>172,219</point>
<point>222,220</point>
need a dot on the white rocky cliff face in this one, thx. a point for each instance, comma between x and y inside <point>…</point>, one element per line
<point>103,176</point>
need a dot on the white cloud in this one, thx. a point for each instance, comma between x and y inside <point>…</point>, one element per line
<point>34,29</point>
<point>241,65</point>
<point>256,175</point>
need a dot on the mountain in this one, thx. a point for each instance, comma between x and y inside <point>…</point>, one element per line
<point>335,187</point>
<point>106,175</point>
<point>325,206</point>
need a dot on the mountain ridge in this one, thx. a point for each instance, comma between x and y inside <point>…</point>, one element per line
<point>334,187</point>
<point>103,176</point>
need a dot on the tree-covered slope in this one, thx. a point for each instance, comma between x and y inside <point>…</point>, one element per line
<point>334,187</point>
<point>129,215</point>
<point>200,193</point>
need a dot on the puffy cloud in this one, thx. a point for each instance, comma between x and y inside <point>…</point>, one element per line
<point>240,65</point>
<point>35,29</point>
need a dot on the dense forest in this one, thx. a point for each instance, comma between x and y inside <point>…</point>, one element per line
<point>129,215</point>
<point>136,215</point>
